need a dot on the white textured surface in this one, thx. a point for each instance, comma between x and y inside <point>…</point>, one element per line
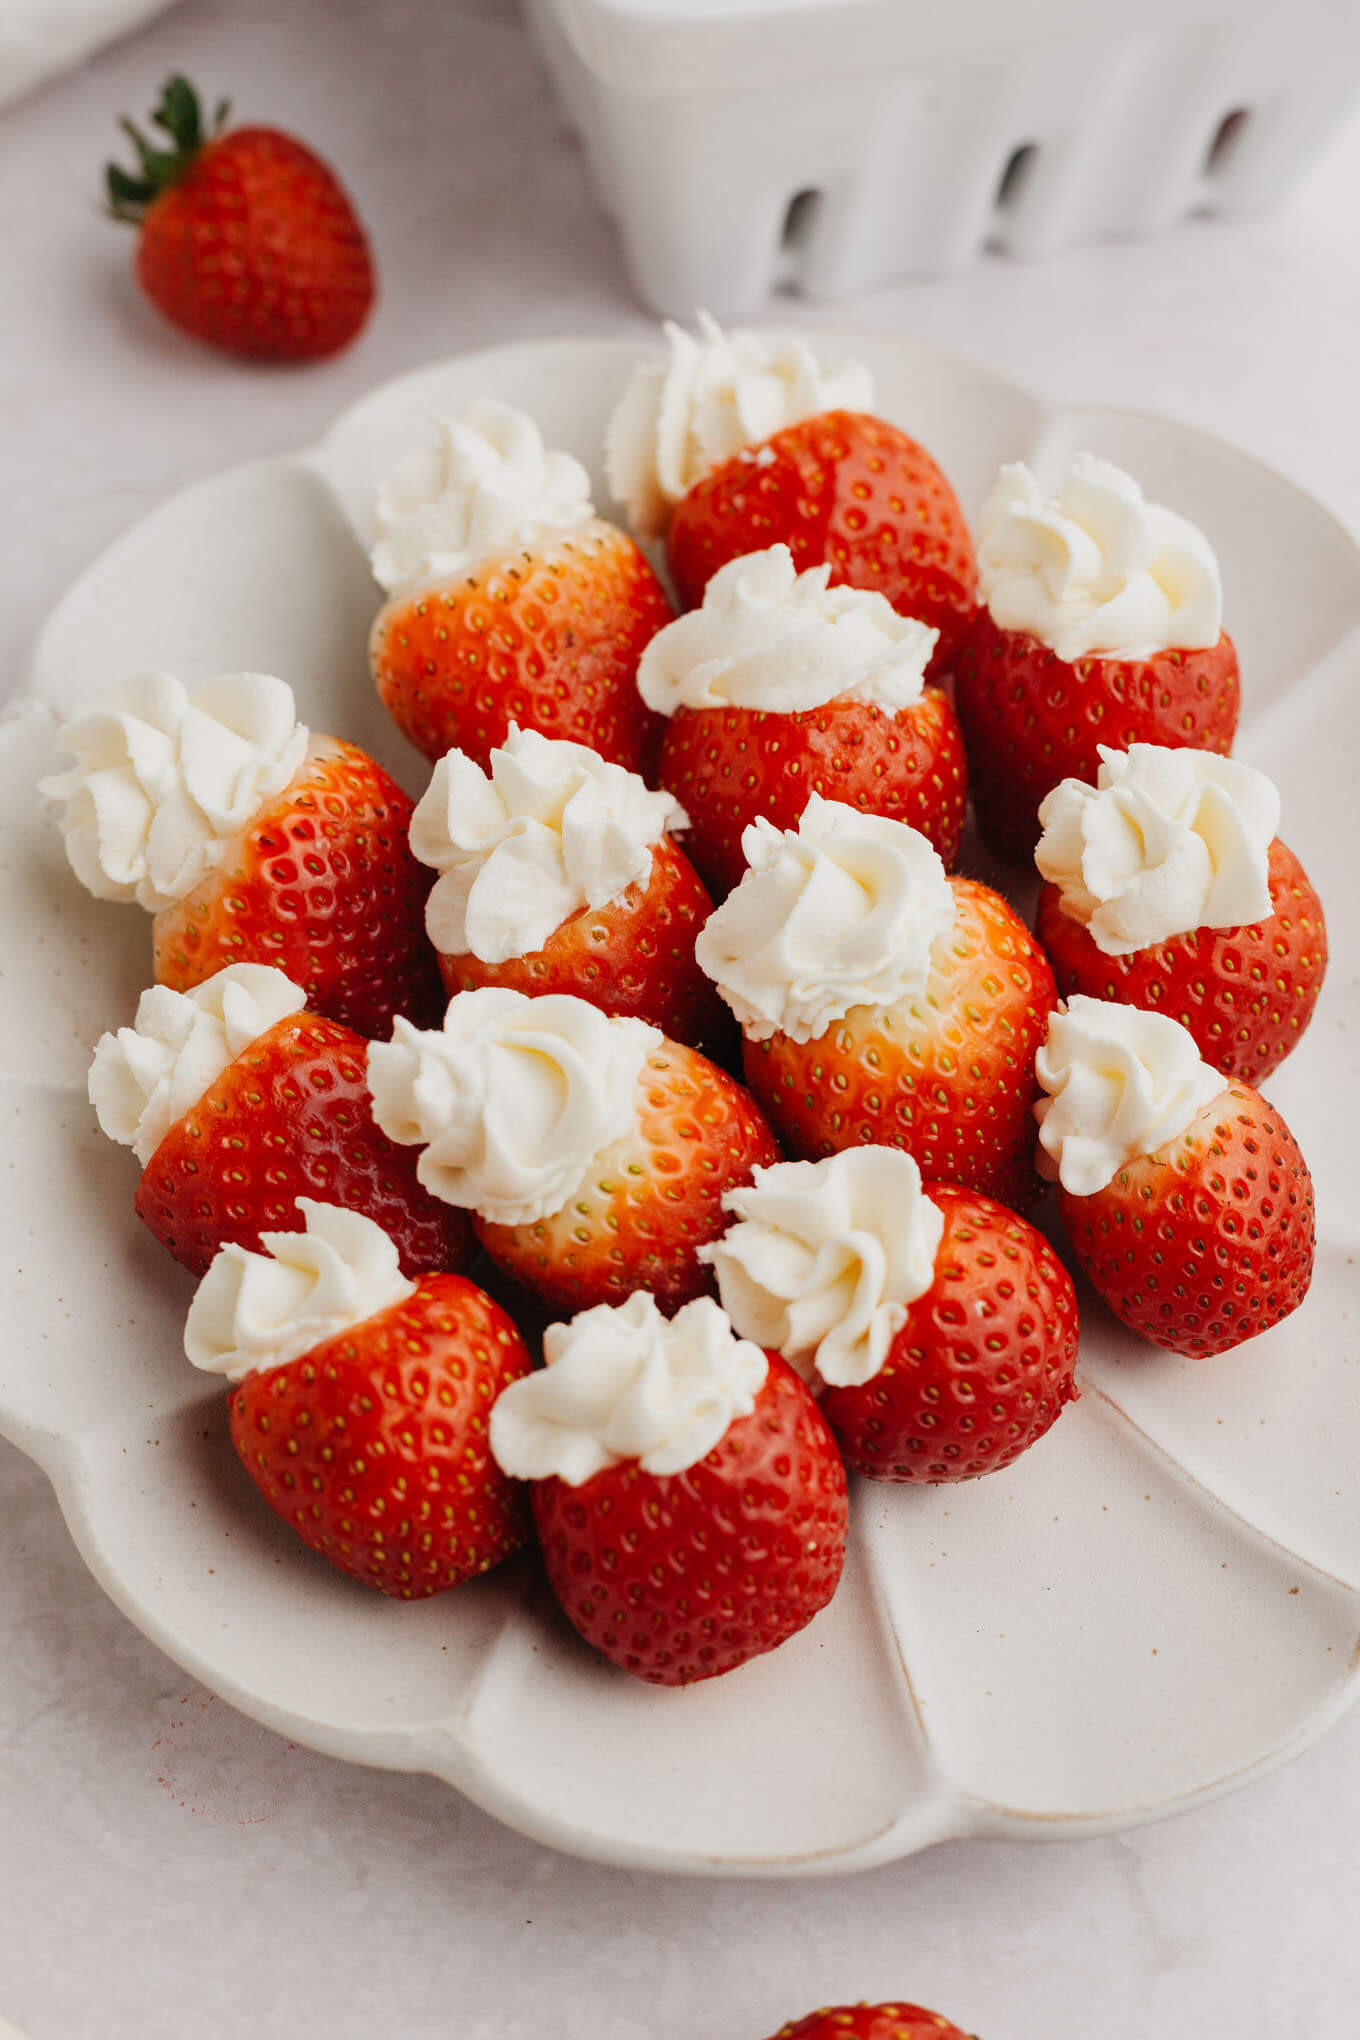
<point>295,1895</point>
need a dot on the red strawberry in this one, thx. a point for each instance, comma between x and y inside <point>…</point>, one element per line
<point>1208,1240</point>
<point>841,487</point>
<point>247,241</point>
<point>948,1075</point>
<point>322,884</point>
<point>1030,719</point>
<point>289,1118</point>
<point>984,1362</point>
<point>635,955</point>
<point>1245,994</point>
<point>726,766</point>
<point>373,1445</point>
<point>549,639</point>
<point>654,1199</point>
<point>872,2022</point>
<point>679,1577</point>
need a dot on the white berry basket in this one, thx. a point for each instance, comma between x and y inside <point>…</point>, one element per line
<point>830,144</point>
<point>1156,1603</point>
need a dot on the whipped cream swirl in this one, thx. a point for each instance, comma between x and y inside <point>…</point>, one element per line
<point>1096,571</point>
<point>684,415</point>
<point>552,828</point>
<point>825,1259</point>
<point>487,486</point>
<point>767,637</point>
<point>624,1383</point>
<point>166,775</point>
<point>146,1077</point>
<point>512,1100</point>
<point>1165,842</point>
<point>842,911</point>
<point>257,1311</point>
<point>1120,1084</point>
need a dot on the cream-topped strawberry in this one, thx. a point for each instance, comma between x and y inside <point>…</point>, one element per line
<point>559,872</point>
<point>509,600</point>
<point>1100,623</point>
<point>1169,889</point>
<point>1184,1194</point>
<point>739,441</point>
<point>881,1001</point>
<point>689,1499</point>
<point>593,1151</point>
<point>237,1101</point>
<point>251,841</point>
<point>361,1400</point>
<point>781,686</point>
<point>940,1329</point>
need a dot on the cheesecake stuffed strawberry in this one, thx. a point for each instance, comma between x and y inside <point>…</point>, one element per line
<point>1168,888</point>
<point>251,841</point>
<point>237,1101</point>
<point>559,872</point>
<point>508,599</point>
<point>688,1496</point>
<point>872,2022</point>
<point>881,1002</point>
<point>781,686</point>
<point>593,1151</point>
<point>938,1327</point>
<point>361,1400</point>
<point>1099,622</point>
<point>1184,1194</point>
<point>735,442</point>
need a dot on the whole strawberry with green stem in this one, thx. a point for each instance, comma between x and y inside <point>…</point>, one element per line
<point>247,239</point>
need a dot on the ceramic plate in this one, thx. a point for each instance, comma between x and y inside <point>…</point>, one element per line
<point>1159,1601</point>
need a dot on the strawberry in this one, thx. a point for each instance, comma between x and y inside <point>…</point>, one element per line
<point>726,766</point>
<point>1207,1240</point>
<point>654,1197</point>
<point>594,1151</point>
<point>688,1496</point>
<point>1246,994</point>
<point>321,883</point>
<point>983,1363</point>
<point>289,1117</point>
<point>634,955</point>
<point>247,239</point>
<point>946,1074</point>
<point>872,2022</point>
<point>1031,719</point>
<point>362,1401</point>
<point>845,488</point>
<point>547,638</point>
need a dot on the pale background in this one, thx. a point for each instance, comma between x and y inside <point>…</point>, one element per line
<point>168,1871</point>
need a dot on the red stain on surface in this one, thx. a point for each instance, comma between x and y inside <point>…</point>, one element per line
<point>216,1764</point>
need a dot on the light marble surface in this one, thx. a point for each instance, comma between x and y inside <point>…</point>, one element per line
<point>168,1871</point>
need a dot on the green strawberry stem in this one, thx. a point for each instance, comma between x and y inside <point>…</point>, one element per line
<point>180,117</point>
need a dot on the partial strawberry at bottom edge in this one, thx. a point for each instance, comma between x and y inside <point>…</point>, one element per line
<point>680,1577</point>
<point>1209,1240</point>
<point>1030,719</point>
<point>1245,994</point>
<point>872,2022</point>
<point>374,1446</point>
<point>321,884</point>
<point>290,1117</point>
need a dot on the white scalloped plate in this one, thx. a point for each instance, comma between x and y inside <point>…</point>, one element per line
<point>1160,1600</point>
